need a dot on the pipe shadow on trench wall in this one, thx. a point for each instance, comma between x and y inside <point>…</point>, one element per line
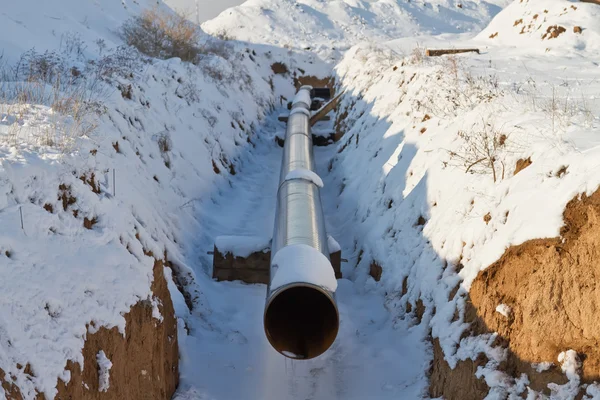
<point>492,286</point>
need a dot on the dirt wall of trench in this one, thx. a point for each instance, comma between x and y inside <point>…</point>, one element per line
<point>145,363</point>
<point>553,289</point>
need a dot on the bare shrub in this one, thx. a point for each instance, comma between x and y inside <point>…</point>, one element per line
<point>39,67</point>
<point>482,150</point>
<point>189,91</point>
<point>72,44</point>
<point>215,73</point>
<point>121,62</point>
<point>453,67</point>
<point>224,35</point>
<point>164,143</point>
<point>222,64</point>
<point>460,90</point>
<point>418,55</point>
<point>219,48</point>
<point>161,34</point>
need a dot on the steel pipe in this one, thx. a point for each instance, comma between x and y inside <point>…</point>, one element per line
<point>301,319</point>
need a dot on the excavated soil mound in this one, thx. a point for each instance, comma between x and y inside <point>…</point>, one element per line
<point>552,287</point>
<point>458,383</point>
<point>144,362</point>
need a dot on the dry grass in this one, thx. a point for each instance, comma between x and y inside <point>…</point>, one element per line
<point>418,55</point>
<point>161,34</point>
<point>44,102</point>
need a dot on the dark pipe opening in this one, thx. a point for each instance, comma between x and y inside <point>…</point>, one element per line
<point>301,322</point>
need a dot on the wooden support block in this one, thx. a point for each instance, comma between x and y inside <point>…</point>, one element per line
<point>255,267</point>
<point>285,117</point>
<point>591,1</point>
<point>441,52</point>
<point>251,269</point>
<point>321,115</point>
<point>336,263</point>
<point>323,140</point>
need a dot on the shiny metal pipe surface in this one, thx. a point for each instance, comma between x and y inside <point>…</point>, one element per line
<point>301,319</point>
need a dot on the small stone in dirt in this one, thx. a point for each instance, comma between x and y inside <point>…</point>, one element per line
<point>522,164</point>
<point>562,171</point>
<point>487,218</point>
<point>279,68</point>
<point>375,271</point>
<point>89,223</point>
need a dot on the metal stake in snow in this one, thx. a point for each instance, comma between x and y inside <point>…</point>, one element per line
<point>301,318</point>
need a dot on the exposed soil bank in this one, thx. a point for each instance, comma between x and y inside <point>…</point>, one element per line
<point>552,287</point>
<point>145,363</point>
<point>458,383</point>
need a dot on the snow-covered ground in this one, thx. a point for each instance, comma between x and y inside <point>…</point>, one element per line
<point>395,189</point>
<point>201,10</point>
<point>83,197</point>
<point>48,25</point>
<point>429,208</point>
<point>329,28</point>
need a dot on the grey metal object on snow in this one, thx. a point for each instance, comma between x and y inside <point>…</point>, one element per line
<point>301,319</point>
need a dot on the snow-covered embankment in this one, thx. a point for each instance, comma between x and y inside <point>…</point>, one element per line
<point>453,164</point>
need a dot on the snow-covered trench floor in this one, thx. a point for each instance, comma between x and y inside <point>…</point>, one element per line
<point>225,354</point>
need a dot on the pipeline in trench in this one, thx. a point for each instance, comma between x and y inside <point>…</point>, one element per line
<point>301,318</point>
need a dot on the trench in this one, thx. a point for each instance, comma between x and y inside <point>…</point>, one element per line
<point>225,354</point>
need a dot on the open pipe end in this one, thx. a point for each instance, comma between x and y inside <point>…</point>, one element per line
<point>301,321</point>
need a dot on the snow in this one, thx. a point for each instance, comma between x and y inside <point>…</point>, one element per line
<point>570,363</point>
<point>104,366</point>
<point>593,391</point>
<point>305,174</point>
<point>226,344</point>
<point>333,245</point>
<point>543,366</point>
<point>201,10</point>
<point>242,246</point>
<point>303,96</point>
<point>73,24</point>
<point>393,193</point>
<point>526,23</point>
<point>413,209</point>
<point>155,309</point>
<point>98,274</point>
<point>302,263</point>
<point>328,28</point>
<point>504,310</point>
